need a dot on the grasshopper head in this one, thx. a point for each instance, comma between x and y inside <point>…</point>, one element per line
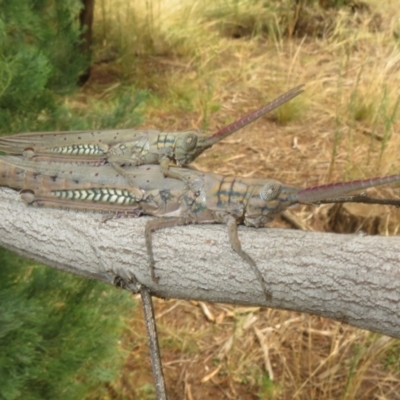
<point>268,199</point>
<point>189,145</point>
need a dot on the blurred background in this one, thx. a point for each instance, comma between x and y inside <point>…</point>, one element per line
<point>176,65</point>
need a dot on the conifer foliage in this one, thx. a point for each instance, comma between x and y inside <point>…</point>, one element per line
<point>39,60</point>
<point>59,333</point>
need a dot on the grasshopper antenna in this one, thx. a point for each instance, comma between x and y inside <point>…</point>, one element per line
<point>253,116</point>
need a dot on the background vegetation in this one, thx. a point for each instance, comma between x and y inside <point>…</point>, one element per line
<point>59,334</point>
<point>204,64</point>
<point>207,63</point>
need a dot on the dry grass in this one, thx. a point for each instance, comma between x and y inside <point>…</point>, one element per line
<point>249,353</point>
<point>207,65</point>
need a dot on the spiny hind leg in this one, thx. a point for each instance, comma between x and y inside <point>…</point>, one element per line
<point>152,336</point>
<point>131,283</point>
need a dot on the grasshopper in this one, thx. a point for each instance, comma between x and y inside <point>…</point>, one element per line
<point>129,146</point>
<point>208,198</point>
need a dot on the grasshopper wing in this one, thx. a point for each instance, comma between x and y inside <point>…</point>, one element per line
<point>69,146</point>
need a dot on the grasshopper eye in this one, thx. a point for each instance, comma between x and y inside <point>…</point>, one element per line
<point>270,191</point>
<point>28,153</point>
<point>189,141</point>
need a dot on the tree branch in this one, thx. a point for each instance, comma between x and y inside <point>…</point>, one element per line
<point>351,278</point>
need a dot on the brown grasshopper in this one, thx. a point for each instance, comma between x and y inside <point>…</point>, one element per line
<point>208,198</point>
<point>129,146</point>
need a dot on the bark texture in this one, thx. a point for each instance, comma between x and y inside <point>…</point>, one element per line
<point>351,278</point>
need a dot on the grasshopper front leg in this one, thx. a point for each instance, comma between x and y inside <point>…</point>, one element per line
<point>162,223</point>
<point>156,225</point>
<point>237,248</point>
<point>168,173</point>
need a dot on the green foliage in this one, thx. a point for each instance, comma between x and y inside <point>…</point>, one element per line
<point>58,333</point>
<point>268,389</point>
<point>120,111</point>
<point>146,392</point>
<point>39,57</point>
<point>391,360</point>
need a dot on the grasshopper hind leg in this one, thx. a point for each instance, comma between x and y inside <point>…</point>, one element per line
<point>132,284</point>
<point>152,336</point>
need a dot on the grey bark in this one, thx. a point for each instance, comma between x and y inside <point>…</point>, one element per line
<point>350,278</point>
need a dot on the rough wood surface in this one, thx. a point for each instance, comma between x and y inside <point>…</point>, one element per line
<point>351,278</point>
